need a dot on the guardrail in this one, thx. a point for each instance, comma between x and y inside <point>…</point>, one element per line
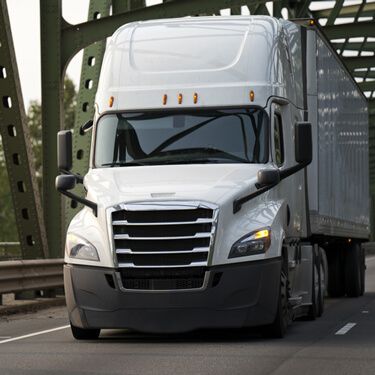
<point>10,251</point>
<point>23,275</point>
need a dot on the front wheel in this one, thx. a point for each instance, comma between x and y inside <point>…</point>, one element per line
<point>84,333</point>
<point>279,327</point>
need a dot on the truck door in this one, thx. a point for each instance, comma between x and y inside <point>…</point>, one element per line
<point>291,190</point>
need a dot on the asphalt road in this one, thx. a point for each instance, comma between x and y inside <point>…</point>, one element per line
<point>311,347</point>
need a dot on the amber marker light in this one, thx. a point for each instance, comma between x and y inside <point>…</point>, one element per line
<point>195,98</point>
<point>179,98</point>
<point>311,22</point>
<point>165,99</point>
<point>111,100</point>
<point>252,96</point>
<point>262,234</point>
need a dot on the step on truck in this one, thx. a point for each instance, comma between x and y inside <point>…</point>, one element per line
<point>228,179</point>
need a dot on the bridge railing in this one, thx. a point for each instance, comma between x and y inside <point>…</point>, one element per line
<point>23,275</point>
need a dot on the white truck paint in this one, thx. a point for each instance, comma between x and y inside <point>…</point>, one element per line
<point>243,83</point>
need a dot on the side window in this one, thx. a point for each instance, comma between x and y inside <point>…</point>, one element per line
<point>278,140</point>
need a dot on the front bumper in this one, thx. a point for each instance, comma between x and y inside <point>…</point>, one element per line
<point>246,295</point>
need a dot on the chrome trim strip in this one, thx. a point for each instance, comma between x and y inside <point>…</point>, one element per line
<point>127,237</point>
<point>194,251</point>
<point>192,264</point>
<point>198,221</point>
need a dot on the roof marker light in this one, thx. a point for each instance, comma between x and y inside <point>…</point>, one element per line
<point>179,98</point>
<point>252,95</point>
<point>195,98</point>
<point>165,98</point>
<point>111,100</point>
<point>311,22</point>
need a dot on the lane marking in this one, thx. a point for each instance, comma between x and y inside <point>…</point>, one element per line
<point>365,312</point>
<point>5,337</point>
<point>344,330</point>
<point>34,334</point>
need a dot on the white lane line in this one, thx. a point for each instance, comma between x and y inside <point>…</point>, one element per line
<point>345,329</point>
<point>33,334</point>
<point>5,337</point>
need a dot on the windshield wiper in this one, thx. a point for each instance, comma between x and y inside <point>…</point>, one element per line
<point>121,164</point>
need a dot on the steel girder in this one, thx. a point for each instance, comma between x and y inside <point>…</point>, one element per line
<point>17,149</point>
<point>349,11</point>
<point>91,64</point>
<point>351,30</point>
<point>60,41</point>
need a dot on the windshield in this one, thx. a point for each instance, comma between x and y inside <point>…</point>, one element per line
<point>199,136</point>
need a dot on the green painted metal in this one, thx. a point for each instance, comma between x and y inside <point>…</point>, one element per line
<point>356,46</point>
<point>364,74</point>
<point>52,122</point>
<point>17,149</point>
<point>352,30</point>
<point>302,9</point>
<point>335,12</point>
<point>367,86</point>
<point>77,37</point>
<point>91,64</point>
<point>371,107</point>
<point>349,11</point>
<point>359,62</point>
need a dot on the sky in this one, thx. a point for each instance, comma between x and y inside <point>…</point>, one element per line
<point>24,19</point>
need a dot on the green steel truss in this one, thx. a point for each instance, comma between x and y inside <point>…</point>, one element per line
<point>60,41</point>
<point>17,149</point>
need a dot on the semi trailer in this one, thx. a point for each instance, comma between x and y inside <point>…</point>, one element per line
<point>228,179</point>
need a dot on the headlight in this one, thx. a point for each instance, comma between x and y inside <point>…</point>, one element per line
<point>79,248</point>
<point>254,243</point>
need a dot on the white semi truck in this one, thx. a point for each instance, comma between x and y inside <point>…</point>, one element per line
<point>228,180</point>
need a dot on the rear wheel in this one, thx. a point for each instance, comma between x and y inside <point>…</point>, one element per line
<point>353,270</point>
<point>322,282</point>
<point>336,276</point>
<point>363,271</point>
<point>83,333</point>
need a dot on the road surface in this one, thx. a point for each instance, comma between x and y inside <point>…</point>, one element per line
<point>341,342</point>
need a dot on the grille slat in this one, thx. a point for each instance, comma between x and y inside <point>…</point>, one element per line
<point>127,237</point>
<point>178,237</point>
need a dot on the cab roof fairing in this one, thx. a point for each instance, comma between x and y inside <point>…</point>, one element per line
<point>145,60</point>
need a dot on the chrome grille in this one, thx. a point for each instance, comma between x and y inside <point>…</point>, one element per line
<point>163,234</point>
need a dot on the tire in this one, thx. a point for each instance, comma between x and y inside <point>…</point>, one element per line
<point>353,270</point>
<point>336,276</point>
<point>279,327</point>
<point>363,271</point>
<point>84,334</point>
<point>316,293</point>
<point>322,282</point>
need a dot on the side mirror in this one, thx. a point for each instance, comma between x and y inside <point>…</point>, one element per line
<point>86,127</point>
<point>267,177</point>
<point>65,182</point>
<point>303,143</point>
<point>64,150</point>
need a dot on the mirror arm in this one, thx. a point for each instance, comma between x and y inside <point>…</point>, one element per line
<point>84,201</point>
<point>289,171</point>
<point>78,177</point>
<point>237,203</point>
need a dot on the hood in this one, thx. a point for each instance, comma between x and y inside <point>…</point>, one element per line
<point>207,182</point>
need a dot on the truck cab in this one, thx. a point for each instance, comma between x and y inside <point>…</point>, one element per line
<point>197,207</point>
